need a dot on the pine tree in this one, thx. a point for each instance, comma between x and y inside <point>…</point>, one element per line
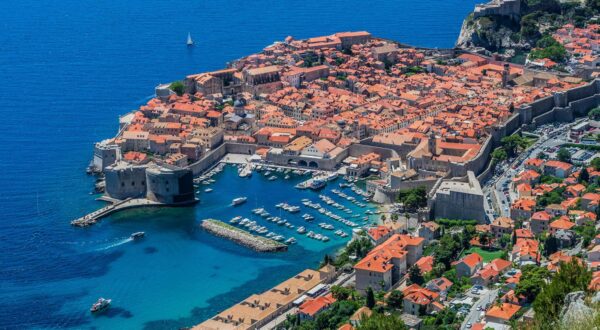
<point>370,298</point>
<point>415,275</point>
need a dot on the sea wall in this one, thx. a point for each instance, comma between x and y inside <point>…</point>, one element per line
<point>242,237</point>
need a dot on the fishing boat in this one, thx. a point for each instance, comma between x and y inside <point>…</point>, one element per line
<point>189,41</point>
<point>100,305</point>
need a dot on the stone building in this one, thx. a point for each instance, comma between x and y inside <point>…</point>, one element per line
<point>459,200</point>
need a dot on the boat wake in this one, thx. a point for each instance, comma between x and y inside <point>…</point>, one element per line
<point>114,245</point>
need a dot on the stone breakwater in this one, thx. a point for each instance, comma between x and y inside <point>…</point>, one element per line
<point>242,237</point>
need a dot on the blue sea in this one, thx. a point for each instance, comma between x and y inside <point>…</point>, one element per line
<point>68,69</point>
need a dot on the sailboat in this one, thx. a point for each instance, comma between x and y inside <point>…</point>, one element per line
<point>189,42</point>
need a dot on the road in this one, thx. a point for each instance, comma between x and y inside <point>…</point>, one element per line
<point>485,297</point>
<point>497,191</point>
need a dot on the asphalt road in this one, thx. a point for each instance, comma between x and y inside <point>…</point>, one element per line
<point>485,297</point>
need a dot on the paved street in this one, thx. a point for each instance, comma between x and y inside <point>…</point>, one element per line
<point>485,297</point>
<point>497,191</point>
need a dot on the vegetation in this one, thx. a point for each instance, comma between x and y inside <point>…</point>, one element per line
<point>178,87</point>
<point>532,280</point>
<point>499,155</point>
<point>444,320</point>
<point>415,276</point>
<point>553,197</point>
<point>564,155</point>
<point>413,198</point>
<point>357,248</point>
<point>378,321</point>
<point>548,47</point>
<point>487,255</point>
<point>455,223</point>
<point>394,299</point>
<point>571,277</point>
<point>594,114</point>
<point>587,232</point>
<point>513,144</point>
<point>370,298</point>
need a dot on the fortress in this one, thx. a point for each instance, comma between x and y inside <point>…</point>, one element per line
<point>510,8</point>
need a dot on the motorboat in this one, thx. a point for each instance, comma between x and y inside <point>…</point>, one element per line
<point>239,200</point>
<point>100,305</point>
<point>138,235</point>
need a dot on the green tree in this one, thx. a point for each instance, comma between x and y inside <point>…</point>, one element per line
<point>340,292</point>
<point>379,321</point>
<point>532,280</point>
<point>564,155</point>
<point>584,176</point>
<point>550,245</point>
<point>571,277</point>
<point>415,276</point>
<point>395,298</point>
<point>513,143</point>
<point>596,163</point>
<point>370,298</point>
<point>499,155</point>
<point>178,87</point>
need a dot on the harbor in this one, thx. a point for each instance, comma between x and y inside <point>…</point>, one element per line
<point>242,237</point>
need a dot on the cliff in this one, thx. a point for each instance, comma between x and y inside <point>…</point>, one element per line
<point>494,33</point>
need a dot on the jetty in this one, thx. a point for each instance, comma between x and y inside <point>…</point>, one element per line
<point>115,206</point>
<point>242,237</point>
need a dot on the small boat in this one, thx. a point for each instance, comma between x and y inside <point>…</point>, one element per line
<point>208,190</point>
<point>272,177</point>
<point>189,41</point>
<point>239,200</point>
<point>138,235</point>
<point>235,219</point>
<point>286,177</point>
<point>301,230</point>
<point>99,305</point>
<point>290,240</point>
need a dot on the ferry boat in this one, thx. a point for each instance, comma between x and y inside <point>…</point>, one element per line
<point>239,200</point>
<point>138,235</point>
<point>100,305</point>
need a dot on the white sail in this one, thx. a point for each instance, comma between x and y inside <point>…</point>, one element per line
<point>189,40</point>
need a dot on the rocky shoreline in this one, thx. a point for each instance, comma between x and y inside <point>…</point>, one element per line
<point>242,237</point>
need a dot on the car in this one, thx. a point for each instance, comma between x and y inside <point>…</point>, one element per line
<point>469,325</point>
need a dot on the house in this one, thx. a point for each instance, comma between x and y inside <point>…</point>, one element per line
<point>555,210</point>
<point>502,226</point>
<point>360,314</point>
<point>561,223</point>
<point>490,272</point>
<point>523,233</point>
<point>429,231</point>
<point>534,164</point>
<point>440,285</point>
<point>540,222</point>
<point>386,263</point>
<point>558,168</point>
<point>590,201</point>
<point>379,234</point>
<point>425,264</point>
<point>522,209</point>
<point>418,300</point>
<point>468,265</point>
<point>311,307</point>
<point>525,251</point>
<point>593,255</point>
<point>501,314</point>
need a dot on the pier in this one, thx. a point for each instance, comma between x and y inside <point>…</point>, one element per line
<point>242,237</point>
<point>115,206</point>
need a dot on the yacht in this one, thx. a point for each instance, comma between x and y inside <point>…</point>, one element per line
<point>293,209</point>
<point>290,240</point>
<point>99,305</point>
<point>189,41</point>
<point>272,178</point>
<point>239,200</point>
<point>208,190</point>
<point>138,235</point>
<point>317,184</point>
<point>235,219</point>
<point>301,230</point>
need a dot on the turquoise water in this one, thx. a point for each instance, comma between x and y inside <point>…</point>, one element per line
<point>69,68</point>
